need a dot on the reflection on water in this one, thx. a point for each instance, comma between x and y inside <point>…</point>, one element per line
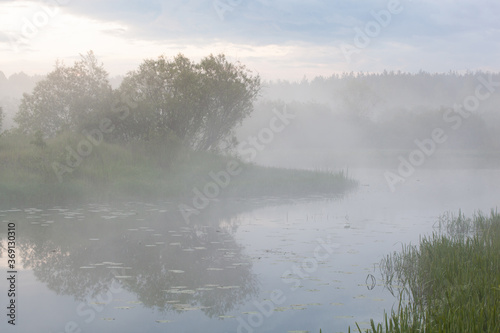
<point>168,265</point>
<point>139,267</point>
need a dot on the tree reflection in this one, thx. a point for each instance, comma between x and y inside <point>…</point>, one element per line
<point>169,265</point>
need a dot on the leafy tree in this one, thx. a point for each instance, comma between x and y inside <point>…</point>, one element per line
<point>230,93</point>
<point>200,103</point>
<point>166,95</point>
<point>67,99</point>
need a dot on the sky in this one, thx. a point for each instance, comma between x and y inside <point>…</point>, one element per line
<point>278,39</point>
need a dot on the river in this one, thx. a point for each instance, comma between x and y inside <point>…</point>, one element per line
<point>262,265</point>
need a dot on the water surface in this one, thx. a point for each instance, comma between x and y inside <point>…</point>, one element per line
<point>263,265</point>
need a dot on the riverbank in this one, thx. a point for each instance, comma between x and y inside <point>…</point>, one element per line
<point>388,159</point>
<point>450,282</point>
<point>72,168</point>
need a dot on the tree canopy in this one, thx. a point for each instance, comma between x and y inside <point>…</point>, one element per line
<point>66,99</point>
<point>198,103</point>
<point>201,103</point>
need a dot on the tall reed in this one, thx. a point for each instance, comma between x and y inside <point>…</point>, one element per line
<point>450,282</point>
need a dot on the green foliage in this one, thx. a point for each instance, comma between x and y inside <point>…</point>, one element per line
<point>153,137</point>
<point>200,103</point>
<point>156,169</point>
<point>38,141</point>
<point>67,99</point>
<point>450,281</point>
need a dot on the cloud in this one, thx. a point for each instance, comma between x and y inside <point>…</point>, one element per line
<point>283,36</point>
<point>255,22</point>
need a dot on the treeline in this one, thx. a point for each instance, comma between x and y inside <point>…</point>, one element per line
<point>11,92</point>
<point>159,134</point>
<point>385,89</point>
<point>198,104</point>
<point>389,110</point>
<point>17,84</point>
<point>348,111</point>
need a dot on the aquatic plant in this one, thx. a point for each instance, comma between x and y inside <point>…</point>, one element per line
<point>449,281</point>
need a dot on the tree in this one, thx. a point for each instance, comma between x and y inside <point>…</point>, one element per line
<point>67,99</point>
<point>199,103</point>
<point>230,93</point>
<point>167,93</point>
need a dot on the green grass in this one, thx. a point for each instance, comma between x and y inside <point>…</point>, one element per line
<point>139,170</point>
<point>450,282</point>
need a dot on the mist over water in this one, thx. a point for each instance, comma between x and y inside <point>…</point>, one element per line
<point>163,169</point>
<point>431,121</point>
<point>274,263</point>
<point>139,265</point>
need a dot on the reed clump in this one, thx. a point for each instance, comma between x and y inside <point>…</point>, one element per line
<point>450,282</point>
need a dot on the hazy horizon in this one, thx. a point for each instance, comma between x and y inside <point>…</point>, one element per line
<point>249,166</point>
<point>279,40</point>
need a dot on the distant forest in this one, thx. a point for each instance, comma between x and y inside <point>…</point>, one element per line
<point>390,110</point>
<point>386,110</point>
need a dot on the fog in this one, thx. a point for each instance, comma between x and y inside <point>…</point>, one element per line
<point>227,251</point>
<point>357,119</point>
<point>367,120</point>
<point>249,166</point>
